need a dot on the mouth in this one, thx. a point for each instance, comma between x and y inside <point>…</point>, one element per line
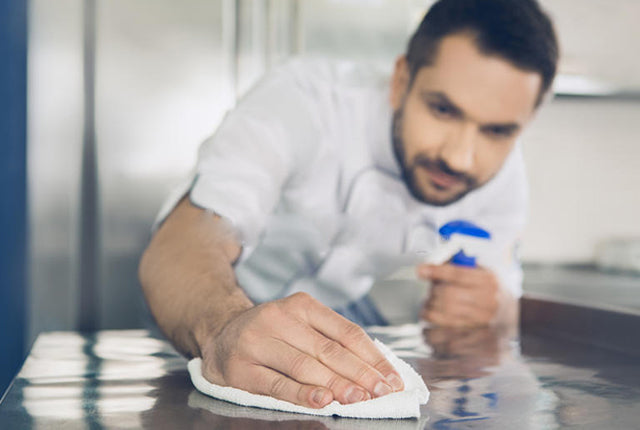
<point>441,180</point>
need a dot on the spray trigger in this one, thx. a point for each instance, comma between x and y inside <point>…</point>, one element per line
<point>464,240</point>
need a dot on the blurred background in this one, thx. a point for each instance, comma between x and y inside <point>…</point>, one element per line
<point>105,102</point>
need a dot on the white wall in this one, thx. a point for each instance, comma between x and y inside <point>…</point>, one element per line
<point>599,38</point>
<point>583,159</point>
<point>584,154</point>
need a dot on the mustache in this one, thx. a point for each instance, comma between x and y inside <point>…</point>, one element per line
<point>422,160</point>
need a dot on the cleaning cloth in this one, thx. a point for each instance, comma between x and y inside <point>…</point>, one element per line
<point>401,404</point>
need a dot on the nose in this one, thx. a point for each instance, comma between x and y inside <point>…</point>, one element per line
<point>458,150</point>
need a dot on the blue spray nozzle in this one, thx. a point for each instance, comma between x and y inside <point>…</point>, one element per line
<point>463,228</point>
<point>462,259</point>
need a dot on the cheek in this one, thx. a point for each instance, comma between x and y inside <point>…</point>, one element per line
<point>490,157</point>
<point>420,132</point>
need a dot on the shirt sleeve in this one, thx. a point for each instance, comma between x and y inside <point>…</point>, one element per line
<point>243,167</point>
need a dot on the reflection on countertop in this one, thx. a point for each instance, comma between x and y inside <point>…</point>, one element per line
<point>479,378</point>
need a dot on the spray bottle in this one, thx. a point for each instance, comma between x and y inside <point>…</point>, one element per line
<point>399,295</point>
<point>460,243</point>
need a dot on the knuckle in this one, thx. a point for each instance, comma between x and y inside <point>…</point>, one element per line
<point>354,334</point>
<point>440,305</point>
<point>301,298</point>
<point>459,323</point>
<point>366,376</point>
<point>329,350</point>
<point>444,270</point>
<point>431,301</point>
<point>334,382</point>
<point>278,387</point>
<point>434,317</point>
<point>299,364</point>
<point>448,301</point>
<point>270,311</point>
<point>383,366</point>
<point>303,395</point>
<point>441,291</point>
<point>438,290</point>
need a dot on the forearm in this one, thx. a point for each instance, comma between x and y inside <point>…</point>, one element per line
<point>295,349</point>
<point>188,279</point>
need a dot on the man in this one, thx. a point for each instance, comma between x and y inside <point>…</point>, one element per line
<point>321,174</point>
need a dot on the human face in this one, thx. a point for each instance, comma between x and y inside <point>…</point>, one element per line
<point>457,121</point>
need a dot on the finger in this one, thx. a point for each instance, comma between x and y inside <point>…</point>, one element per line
<point>452,294</point>
<point>271,383</point>
<point>448,273</point>
<point>458,316</point>
<point>464,276</point>
<point>442,302</point>
<point>306,369</point>
<point>458,307</point>
<point>363,362</point>
<point>449,295</point>
<point>453,303</point>
<point>341,359</point>
<point>457,312</point>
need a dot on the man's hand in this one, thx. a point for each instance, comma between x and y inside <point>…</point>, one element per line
<point>298,350</point>
<point>465,297</point>
<point>294,349</point>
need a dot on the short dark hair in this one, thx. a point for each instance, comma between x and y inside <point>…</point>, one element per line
<point>517,30</point>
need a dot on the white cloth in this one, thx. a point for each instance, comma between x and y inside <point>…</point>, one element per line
<point>303,167</point>
<point>267,418</point>
<point>403,404</point>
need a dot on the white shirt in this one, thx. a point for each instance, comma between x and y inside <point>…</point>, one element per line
<point>303,167</point>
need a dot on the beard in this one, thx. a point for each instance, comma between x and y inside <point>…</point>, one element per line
<point>409,168</point>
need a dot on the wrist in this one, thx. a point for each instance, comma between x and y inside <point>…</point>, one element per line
<point>207,328</point>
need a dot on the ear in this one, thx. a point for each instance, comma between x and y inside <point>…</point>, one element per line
<point>399,82</point>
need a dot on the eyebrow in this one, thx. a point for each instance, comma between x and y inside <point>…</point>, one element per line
<point>443,98</point>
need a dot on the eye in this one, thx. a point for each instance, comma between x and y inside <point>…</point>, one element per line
<point>497,132</point>
<point>442,110</point>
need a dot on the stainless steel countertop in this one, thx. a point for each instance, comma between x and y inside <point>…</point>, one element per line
<point>584,285</point>
<point>480,378</point>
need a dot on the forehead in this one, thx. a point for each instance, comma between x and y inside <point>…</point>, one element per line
<point>488,88</point>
